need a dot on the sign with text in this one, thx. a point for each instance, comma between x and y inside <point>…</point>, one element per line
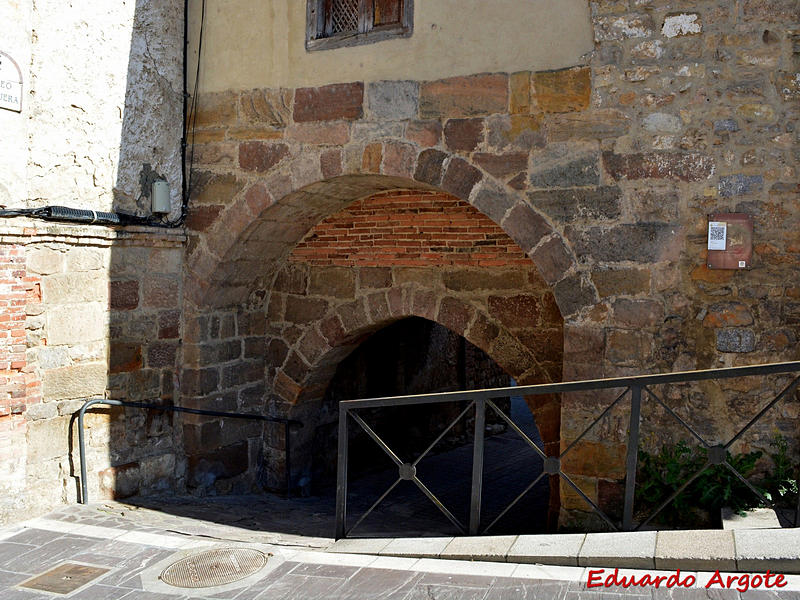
<point>10,83</point>
<point>730,241</point>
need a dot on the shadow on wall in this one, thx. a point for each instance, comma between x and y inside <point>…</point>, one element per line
<point>134,451</point>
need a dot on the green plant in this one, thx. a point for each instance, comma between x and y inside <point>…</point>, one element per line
<point>660,475</point>
<point>781,483</point>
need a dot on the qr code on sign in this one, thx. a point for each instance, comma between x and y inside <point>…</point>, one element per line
<point>717,233</point>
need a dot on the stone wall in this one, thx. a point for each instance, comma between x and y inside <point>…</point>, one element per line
<point>70,334</point>
<point>603,174</point>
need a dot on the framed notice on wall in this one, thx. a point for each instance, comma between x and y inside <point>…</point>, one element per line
<point>10,83</point>
<point>730,241</point>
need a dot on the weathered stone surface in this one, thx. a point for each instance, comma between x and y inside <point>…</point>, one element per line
<point>578,204</point>
<point>628,347</point>
<point>637,313</point>
<point>464,96</point>
<point>573,294</point>
<point>460,178</point>
<point>754,112</point>
<point>659,165</point>
<point>329,102</point>
<point>775,11</point>
<point>304,310</point>
<point>588,125</point>
<point>681,24</point>
<point>398,159</point>
<point>739,185</point>
<point>736,340</point>
<point>725,125</point>
<point>582,171</point>
<point>393,100</point>
<point>589,458</point>
<point>201,218</point>
<point>613,28</point>
<point>641,242</point>
<point>332,134</point>
<point>261,157</point>
<point>728,314</point>
<point>429,166</point>
<point>520,87</point>
<point>480,279</point>
<point>76,381</point>
<point>463,135</point>
<point>209,188</point>
<point>160,291</point>
<point>424,133</point>
<point>621,282</point>
<point>124,357</point>
<point>514,312</point>
<point>162,355</point>
<point>552,259</point>
<point>455,314</point>
<point>493,202</point>
<point>662,123</point>
<point>501,165</point>
<point>73,324</point>
<point>332,281</point>
<point>330,163</point>
<point>565,90</point>
<point>265,107</point>
<point>215,109</point>
<point>67,288</point>
<point>44,261</point>
<point>525,226</point>
<point>515,132</point>
<point>371,160</point>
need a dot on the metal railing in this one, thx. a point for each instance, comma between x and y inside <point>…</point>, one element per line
<point>636,387</point>
<point>287,424</point>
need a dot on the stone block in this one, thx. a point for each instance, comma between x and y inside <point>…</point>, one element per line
<point>755,112</point>
<point>573,294</point>
<point>215,110</point>
<point>630,549</point>
<point>520,96</point>
<point>488,548</point>
<point>162,355</point>
<point>640,242</point>
<point>637,313</point>
<point>553,259</point>
<point>73,324</point>
<point>76,381</point>
<point>332,134</point>
<point>338,282</point>
<point>374,277</point>
<point>681,24</point>
<point>695,550</point>
<point>424,133</point>
<point>515,132</point>
<point>595,459</point>
<point>525,226</point>
<point>44,261</point>
<point>568,205</point>
<point>201,218</point>
<point>161,291</point>
<point>330,163</point>
<point>460,178</point>
<point>564,90</point>
<point>494,202</point>
<point>69,288</point>
<point>501,165</point>
<point>780,550</point>
<point>739,185</point>
<point>515,312</point>
<point>416,547</point>
<point>479,279</point>
<point>659,165</point>
<point>393,100</point>
<point>736,340</point>
<point>371,160</point>
<point>265,107</point>
<point>728,314</point>
<point>628,347</point>
<point>211,188</point>
<point>199,382</point>
<point>577,172</point>
<point>463,135</point>
<point>261,157</point>
<point>398,159</point>
<point>547,549</point>
<point>329,102</point>
<point>86,259</point>
<point>471,96</point>
<point>124,357</point>
<point>772,11</point>
<point>622,27</point>
<point>595,124</point>
<point>621,282</point>
<point>663,123</point>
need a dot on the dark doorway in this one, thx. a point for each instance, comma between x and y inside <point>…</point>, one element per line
<point>415,356</point>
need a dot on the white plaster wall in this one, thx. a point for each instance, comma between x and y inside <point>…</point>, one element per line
<point>16,42</point>
<point>252,44</point>
<point>103,97</point>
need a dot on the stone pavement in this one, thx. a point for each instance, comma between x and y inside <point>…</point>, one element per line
<point>135,545</point>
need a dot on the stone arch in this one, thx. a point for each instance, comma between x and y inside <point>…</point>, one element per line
<point>242,245</point>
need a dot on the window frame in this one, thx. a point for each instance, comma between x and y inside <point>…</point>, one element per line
<point>315,28</point>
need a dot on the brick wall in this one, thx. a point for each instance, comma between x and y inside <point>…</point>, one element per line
<point>409,229</point>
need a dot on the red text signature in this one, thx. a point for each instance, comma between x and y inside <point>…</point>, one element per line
<point>741,582</point>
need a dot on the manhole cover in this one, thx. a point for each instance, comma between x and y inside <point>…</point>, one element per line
<point>214,567</point>
<point>64,579</point>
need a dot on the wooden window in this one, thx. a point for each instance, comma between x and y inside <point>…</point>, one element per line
<point>338,23</point>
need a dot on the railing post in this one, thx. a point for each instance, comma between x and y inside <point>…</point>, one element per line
<point>341,475</point>
<point>632,457</point>
<point>287,447</point>
<point>477,466</point>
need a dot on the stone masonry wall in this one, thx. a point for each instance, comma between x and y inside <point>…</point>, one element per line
<point>602,174</point>
<point>92,312</point>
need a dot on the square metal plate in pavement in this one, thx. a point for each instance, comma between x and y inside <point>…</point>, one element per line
<point>64,578</point>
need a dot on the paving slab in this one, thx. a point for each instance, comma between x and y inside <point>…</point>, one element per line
<point>490,548</point>
<point>701,550</point>
<point>360,545</point>
<point>416,547</point>
<point>547,549</point>
<point>631,549</point>
<point>756,518</point>
<point>779,548</point>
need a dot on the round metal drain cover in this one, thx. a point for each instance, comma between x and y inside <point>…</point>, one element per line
<point>214,567</point>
